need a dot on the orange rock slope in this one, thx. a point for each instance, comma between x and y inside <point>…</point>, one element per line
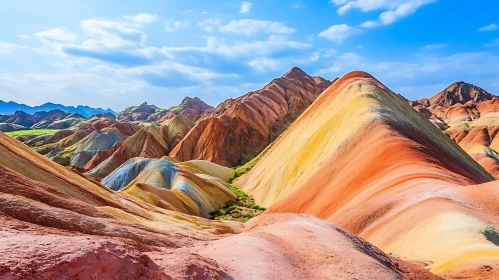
<point>238,129</point>
<point>151,141</point>
<point>469,116</point>
<point>363,159</point>
<point>56,224</point>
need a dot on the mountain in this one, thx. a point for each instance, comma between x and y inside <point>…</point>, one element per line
<point>170,186</point>
<point>239,129</point>
<point>85,111</point>
<point>363,159</point>
<point>457,93</point>
<point>150,141</point>
<point>76,147</point>
<point>138,113</point>
<point>57,224</point>
<point>468,115</point>
<point>54,119</point>
<point>190,108</point>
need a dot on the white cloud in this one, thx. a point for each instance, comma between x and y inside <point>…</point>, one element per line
<point>370,24</point>
<point>330,53</point>
<point>210,24</point>
<point>252,26</point>
<point>393,9</point>
<point>60,34</point>
<point>490,27</point>
<point>171,26</point>
<point>142,18</point>
<point>402,11</point>
<point>7,47</point>
<point>246,7</point>
<point>240,48</point>
<point>110,34</point>
<point>339,32</point>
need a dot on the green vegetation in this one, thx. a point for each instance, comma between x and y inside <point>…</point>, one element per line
<point>179,108</point>
<point>31,132</point>
<point>243,209</point>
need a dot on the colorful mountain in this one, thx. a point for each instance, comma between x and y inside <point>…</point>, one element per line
<point>190,108</point>
<point>165,184</point>
<point>78,147</point>
<point>151,141</point>
<point>362,158</point>
<point>55,119</point>
<point>57,224</point>
<point>468,115</point>
<point>239,129</point>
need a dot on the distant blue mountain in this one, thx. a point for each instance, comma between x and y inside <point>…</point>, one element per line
<point>8,108</point>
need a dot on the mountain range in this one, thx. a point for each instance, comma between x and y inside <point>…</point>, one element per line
<point>305,178</point>
<point>7,108</point>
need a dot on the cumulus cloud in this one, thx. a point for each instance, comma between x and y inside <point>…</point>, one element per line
<point>250,27</point>
<point>210,24</point>
<point>393,9</point>
<point>7,47</point>
<point>60,34</point>
<point>238,49</point>
<point>172,26</point>
<point>246,7</point>
<point>339,32</point>
<point>490,27</point>
<point>142,18</point>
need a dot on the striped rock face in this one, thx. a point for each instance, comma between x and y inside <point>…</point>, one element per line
<point>476,133</point>
<point>470,116</point>
<point>151,141</point>
<point>363,159</point>
<point>57,224</point>
<point>168,185</point>
<point>239,129</point>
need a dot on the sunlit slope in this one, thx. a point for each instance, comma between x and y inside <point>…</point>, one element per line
<point>362,158</point>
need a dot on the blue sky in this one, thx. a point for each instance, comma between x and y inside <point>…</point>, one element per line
<point>121,53</point>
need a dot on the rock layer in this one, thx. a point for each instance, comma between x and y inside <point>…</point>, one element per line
<point>238,129</point>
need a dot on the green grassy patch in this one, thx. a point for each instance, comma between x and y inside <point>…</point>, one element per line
<point>31,132</point>
<point>241,210</point>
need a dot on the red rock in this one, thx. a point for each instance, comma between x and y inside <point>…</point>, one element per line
<point>239,129</point>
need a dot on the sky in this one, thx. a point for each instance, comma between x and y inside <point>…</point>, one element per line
<point>119,53</point>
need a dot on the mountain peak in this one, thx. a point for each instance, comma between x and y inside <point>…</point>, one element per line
<point>295,72</point>
<point>459,92</point>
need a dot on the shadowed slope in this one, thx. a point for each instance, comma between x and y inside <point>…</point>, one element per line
<point>363,159</point>
<point>238,129</point>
